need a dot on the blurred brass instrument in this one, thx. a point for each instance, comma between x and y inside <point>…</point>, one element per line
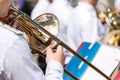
<point>39,38</point>
<point>112,19</point>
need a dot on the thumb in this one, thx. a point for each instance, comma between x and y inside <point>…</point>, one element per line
<point>59,48</point>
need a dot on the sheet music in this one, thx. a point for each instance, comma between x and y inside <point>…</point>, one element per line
<point>106,60</point>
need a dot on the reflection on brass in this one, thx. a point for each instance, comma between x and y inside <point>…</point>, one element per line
<point>49,22</point>
<point>112,19</point>
<point>113,38</point>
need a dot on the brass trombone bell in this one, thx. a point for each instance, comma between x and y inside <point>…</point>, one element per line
<point>49,21</point>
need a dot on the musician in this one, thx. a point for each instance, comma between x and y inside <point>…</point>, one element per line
<point>84,24</point>
<point>16,60</point>
<point>39,8</point>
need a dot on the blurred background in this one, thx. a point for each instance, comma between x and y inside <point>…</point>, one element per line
<point>26,5</point>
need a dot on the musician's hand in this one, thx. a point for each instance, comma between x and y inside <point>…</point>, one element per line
<point>58,55</point>
<point>4,7</point>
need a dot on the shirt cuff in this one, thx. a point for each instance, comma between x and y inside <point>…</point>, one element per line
<point>54,68</point>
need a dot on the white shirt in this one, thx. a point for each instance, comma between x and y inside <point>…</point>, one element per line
<point>83,25</point>
<point>117,4</point>
<point>39,8</point>
<point>16,60</point>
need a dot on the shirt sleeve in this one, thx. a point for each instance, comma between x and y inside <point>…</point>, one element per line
<point>20,65</point>
<point>54,71</point>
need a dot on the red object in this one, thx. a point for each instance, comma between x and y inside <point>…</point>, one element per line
<point>117,77</point>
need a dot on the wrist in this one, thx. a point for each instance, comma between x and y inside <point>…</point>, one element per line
<point>54,64</point>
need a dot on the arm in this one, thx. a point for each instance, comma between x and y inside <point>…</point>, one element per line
<point>19,64</point>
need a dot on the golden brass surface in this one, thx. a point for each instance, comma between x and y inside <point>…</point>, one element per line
<point>112,19</point>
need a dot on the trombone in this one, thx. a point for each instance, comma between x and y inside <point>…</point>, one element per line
<point>39,38</point>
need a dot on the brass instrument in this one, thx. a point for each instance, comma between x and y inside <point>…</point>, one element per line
<point>39,38</point>
<point>112,19</point>
<point>113,38</point>
<point>51,24</point>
